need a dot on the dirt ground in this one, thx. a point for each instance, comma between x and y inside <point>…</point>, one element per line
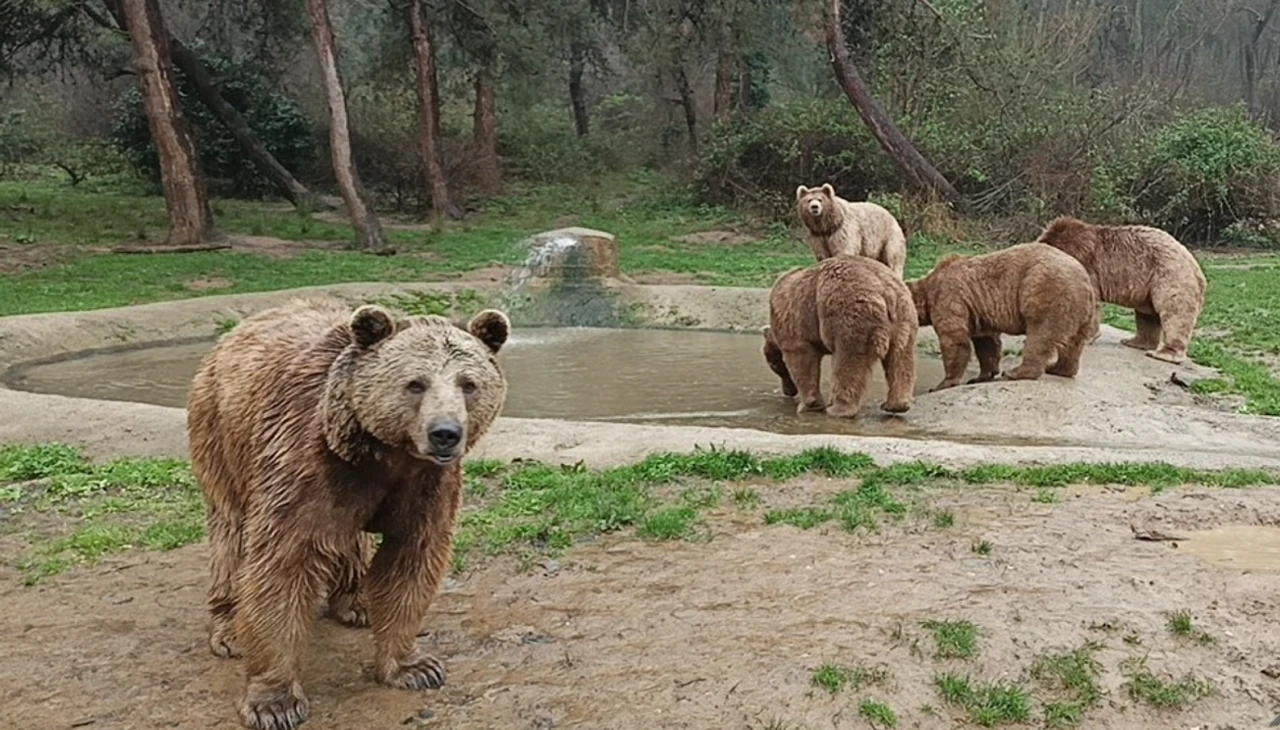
<point>724,633</point>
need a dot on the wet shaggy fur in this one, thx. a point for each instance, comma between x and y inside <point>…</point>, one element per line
<point>855,309</point>
<point>310,427</point>
<point>838,226</point>
<point>1030,289</point>
<point>1143,269</point>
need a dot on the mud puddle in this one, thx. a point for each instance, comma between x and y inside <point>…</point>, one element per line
<point>1244,547</point>
<point>661,377</point>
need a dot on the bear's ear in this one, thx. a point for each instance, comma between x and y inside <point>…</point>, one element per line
<point>800,191</point>
<point>370,325</point>
<point>829,191</point>
<point>491,327</point>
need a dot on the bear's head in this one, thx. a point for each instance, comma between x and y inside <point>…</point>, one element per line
<point>421,384</point>
<point>773,356</point>
<point>816,201</point>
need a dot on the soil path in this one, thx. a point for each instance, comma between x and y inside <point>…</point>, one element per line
<point>719,634</point>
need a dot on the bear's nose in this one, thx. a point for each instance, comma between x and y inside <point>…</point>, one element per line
<point>815,208</point>
<point>444,436</point>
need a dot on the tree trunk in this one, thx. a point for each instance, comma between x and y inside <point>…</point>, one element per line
<point>577,93</point>
<point>363,219</point>
<point>267,164</point>
<point>919,173</point>
<point>428,120</point>
<point>744,85</point>
<point>723,97</point>
<point>190,218</point>
<point>690,105</point>
<point>484,133</point>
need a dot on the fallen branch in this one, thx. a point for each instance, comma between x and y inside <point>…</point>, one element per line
<point>172,249</point>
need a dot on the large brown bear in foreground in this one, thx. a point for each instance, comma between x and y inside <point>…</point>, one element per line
<point>311,426</point>
<point>1030,289</point>
<point>838,226</point>
<point>851,307</point>
<point>1141,268</point>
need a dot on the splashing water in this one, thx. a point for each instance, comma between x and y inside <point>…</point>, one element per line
<point>553,287</point>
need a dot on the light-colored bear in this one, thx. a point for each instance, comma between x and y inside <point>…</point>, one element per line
<point>838,226</point>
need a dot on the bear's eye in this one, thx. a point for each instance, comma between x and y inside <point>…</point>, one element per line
<point>416,386</point>
<point>468,386</point>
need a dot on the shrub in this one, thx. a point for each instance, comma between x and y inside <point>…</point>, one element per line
<point>278,121</point>
<point>759,160</point>
<point>1195,177</point>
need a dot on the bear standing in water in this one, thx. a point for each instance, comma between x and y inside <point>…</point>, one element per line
<point>855,309</point>
<point>310,427</point>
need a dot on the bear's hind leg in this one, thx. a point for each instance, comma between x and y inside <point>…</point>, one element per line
<point>346,606</point>
<point>900,373</point>
<point>279,582</point>
<point>224,526</point>
<point>1038,350</point>
<point>1148,336</point>
<point>805,366</point>
<point>989,351</point>
<point>1179,311</point>
<point>400,586</point>
<point>849,380</point>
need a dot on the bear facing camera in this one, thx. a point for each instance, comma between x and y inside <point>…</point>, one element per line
<point>312,426</point>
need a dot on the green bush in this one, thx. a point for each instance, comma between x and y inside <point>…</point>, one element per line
<point>541,145</point>
<point>758,161</point>
<point>1195,177</point>
<point>22,139</point>
<point>279,123</point>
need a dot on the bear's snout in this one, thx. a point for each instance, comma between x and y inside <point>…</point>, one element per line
<point>444,436</point>
<point>815,208</point>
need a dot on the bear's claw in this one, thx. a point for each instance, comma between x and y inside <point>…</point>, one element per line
<point>422,672</point>
<point>279,709</point>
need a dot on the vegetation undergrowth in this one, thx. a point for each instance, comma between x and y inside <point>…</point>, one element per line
<point>531,509</point>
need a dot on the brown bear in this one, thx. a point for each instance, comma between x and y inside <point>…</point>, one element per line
<point>310,427</point>
<point>838,226</point>
<point>1143,269</point>
<point>1030,289</point>
<point>855,309</point>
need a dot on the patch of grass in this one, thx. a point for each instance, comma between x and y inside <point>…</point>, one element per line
<point>1157,475</point>
<point>670,523</point>
<point>23,462</point>
<point>804,518</point>
<point>835,677</point>
<point>1182,625</point>
<point>746,498</point>
<point>953,639</point>
<point>987,705</point>
<point>91,510</point>
<point>226,325</point>
<point>944,519</point>
<point>1072,679</point>
<point>1143,686</point>
<point>981,547</point>
<point>877,714</point>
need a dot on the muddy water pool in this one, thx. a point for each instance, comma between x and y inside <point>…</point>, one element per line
<point>673,377</point>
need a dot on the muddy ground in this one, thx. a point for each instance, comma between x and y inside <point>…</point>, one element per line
<point>726,633</point>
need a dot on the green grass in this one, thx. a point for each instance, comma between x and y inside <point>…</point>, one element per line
<point>1162,693</point>
<point>835,677</point>
<point>877,714</point>
<point>1071,679</point>
<point>953,639</point>
<point>987,705</point>
<point>84,511</point>
<point>1182,625</point>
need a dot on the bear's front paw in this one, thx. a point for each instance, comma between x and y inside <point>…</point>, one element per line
<point>418,671</point>
<point>981,378</point>
<point>842,410</point>
<point>895,406</point>
<point>273,707</point>
<point>948,383</point>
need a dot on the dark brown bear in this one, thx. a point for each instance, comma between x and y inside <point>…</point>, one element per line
<point>854,308</point>
<point>310,427</point>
